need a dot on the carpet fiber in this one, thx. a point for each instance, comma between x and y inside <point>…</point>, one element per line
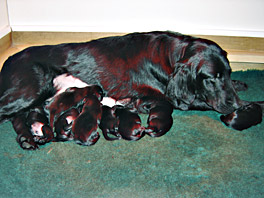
<point>198,157</point>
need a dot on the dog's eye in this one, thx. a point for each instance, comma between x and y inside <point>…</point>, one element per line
<point>218,75</point>
<point>205,76</point>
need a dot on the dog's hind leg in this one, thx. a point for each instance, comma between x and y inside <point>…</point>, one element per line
<point>39,124</point>
<point>23,85</point>
<point>24,135</point>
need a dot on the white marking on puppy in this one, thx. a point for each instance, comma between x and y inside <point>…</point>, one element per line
<point>69,119</point>
<point>36,128</point>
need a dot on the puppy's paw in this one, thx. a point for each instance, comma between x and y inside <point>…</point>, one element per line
<point>154,132</point>
<point>91,140</point>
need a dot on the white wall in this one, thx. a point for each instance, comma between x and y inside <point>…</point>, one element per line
<point>4,22</point>
<point>211,17</point>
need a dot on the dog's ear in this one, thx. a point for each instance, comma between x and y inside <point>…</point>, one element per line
<point>181,85</point>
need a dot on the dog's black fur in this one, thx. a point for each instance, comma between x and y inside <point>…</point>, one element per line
<point>189,72</point>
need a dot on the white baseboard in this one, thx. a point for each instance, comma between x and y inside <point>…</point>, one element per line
<point>126,29</point>
<point>5,31</point>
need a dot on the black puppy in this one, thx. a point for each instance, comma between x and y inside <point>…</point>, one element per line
<point>109,123</point>
<point>243,117</point>
<point>160,119</point>
<point>85,126</point>
<point>61,109</point>
<point>129,124</point>
<point>64,123</point>
<point>71,97</point>
<point>39,125</point>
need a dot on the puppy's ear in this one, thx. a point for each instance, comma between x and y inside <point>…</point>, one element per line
<point>181,85</point>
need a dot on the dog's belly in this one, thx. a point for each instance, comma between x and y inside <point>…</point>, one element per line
<point>65,81</point>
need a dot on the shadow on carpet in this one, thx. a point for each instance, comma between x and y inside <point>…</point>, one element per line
<point>198,157</point>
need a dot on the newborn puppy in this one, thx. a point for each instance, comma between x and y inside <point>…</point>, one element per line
<point>129,126</point>
<point>70,98</point>
<point>160,119</point>
<point>39,124</point>
<point>64,123</point>
<point>244,117</point>
<point>85,126</point>
<point>109,123</point>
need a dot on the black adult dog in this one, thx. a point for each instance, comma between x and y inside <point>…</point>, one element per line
<point>189,72</point>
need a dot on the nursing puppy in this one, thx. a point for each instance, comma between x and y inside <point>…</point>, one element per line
<point>63,109</point>
<point>67,112</point>
<point>159,119</point>
<point>244,117</point>
<point>85,126</point>
<point>129,124</point>
<point>71,97</point>
<point>109,123</point>
<point>64,123</point>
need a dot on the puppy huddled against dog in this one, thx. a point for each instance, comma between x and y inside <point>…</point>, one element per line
<point>77,114</point>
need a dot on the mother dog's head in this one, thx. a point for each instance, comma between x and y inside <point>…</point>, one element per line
<point>201,79</point>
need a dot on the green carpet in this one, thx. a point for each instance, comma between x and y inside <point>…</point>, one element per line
<point>198,157</point>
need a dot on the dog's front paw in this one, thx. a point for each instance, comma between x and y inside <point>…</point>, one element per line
<point>27,142</point>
